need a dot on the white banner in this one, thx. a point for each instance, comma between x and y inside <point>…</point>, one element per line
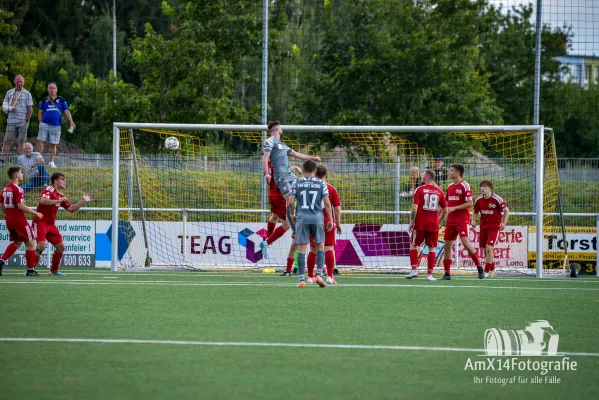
<point>237,244</point>
<point>79,239</point>
<point>510,251</point>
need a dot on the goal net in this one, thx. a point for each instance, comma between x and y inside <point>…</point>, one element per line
<point>205,206</point>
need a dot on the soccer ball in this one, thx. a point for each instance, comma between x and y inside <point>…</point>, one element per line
<point>171,143</point>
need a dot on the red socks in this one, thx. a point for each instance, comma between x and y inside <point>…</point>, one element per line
<point>474,258</point>
<point>329,261</point>
<point>56,257</point>
<point>311,264</point>
<point>447,266</point>
<point>488,267</point>
<point>270,227</point>
<point>31,258</point>
<point>414,258</point>
<point>289,264</point>
<point>10,250</point>
<point>430,261</point>
<point>280,231</point>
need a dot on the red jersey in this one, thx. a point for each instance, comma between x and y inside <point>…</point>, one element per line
<point>273,188</point>
<point>490,211</point>
<point>458,194</point>
<point>12,195</point>
<point>49,212</point>
<point>335,202</point>
<point>429,199</point>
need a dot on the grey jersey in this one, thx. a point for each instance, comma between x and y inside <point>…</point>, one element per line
<point>310,193</point>
<point>279,156</point>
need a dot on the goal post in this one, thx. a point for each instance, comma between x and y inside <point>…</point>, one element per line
<point>205,187</point>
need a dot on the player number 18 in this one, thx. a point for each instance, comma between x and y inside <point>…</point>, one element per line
<point>431,202</point>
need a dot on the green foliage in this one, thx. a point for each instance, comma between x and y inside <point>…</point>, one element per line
<point>396,65</point>
<point>101,102</point>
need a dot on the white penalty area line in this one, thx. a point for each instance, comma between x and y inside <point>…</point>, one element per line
<point>438,285</point>
<point>266,344</point>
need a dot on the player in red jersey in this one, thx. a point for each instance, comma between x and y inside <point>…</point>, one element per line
<point>493,218</point>
<point>459,202</point>
<point>44,226</point>
<point>428,206</point>
<point>329,236</point>
<point>13,206</point>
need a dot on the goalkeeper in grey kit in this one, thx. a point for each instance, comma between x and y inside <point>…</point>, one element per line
<point>312,196</point>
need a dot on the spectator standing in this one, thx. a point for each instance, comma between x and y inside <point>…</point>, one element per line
<point>33,163</point>
<point>440,171</point>
<point>49,116</point>
<point>18,104</point>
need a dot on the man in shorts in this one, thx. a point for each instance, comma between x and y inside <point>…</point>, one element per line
<point>18,104</point>
<point>49,116</point>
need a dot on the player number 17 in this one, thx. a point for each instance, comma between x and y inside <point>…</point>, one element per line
<point>304,195</point>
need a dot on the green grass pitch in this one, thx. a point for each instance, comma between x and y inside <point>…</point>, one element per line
<point>253,336</point>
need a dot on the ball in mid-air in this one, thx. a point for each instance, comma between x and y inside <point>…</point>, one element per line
<point>171,143</point>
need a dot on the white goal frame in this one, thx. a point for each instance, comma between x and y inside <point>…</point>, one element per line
<point>539,159</point>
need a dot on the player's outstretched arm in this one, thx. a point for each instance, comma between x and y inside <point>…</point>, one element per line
<point>303,156</point>
<point>297,169</point>
<point>23,207</point>
<point>74,207</point>
<point>466,205</point>
<point>44,201</point>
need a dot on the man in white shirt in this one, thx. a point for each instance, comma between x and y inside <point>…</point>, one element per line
<point>18,104</point>
<point>33,164</point>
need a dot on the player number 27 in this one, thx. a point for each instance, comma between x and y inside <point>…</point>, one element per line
<point>312,195</point>
<point>431,202</point>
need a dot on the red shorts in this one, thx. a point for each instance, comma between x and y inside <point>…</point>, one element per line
<point>455,228</point>
<point>430,238</point>
<point>44,230</point>
<point>330,237</point>
<point>20,231</point>
<point>488,236</point>
<point>278,205</point>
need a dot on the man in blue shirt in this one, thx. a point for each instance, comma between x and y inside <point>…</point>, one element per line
<point>49,116</point>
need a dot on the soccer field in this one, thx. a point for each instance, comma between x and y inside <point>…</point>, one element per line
<point>179,335</point>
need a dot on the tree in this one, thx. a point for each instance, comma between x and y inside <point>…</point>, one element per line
<point>383,63</point>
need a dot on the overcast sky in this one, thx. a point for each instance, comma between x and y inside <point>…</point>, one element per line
<point>581,15</point>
